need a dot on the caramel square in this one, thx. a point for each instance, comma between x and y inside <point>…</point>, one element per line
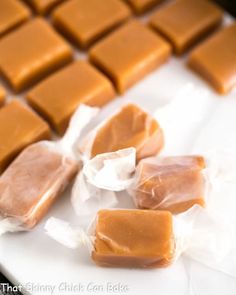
<point>130,127</point>
<point>19,127</point>
<point>12,14</point>
<point>171,183</point>
<point>185,22</point>
<point>31,52</point>
<point>2,95</point>
<point>43,6</point>
<point>57,97</point>
<point>141,6</point>
<point>129,53</point>
<point>133,238</point>
<point>32,183</point>
<point>84,22</point>
<point>215,60</point>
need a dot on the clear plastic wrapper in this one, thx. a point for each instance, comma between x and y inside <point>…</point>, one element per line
<point>174,183</point>
<point>119,238</point>
<point>170,183</point>
<point>101,176</point>
<point>130,126</point>
<point>38,175</point>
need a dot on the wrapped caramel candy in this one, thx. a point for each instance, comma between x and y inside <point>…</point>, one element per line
<point>132,238</point>
<point>38,175</point>
<point>170,183</point>
<point>111,246</point>
<point>129,127</point>
<point>107,173</point>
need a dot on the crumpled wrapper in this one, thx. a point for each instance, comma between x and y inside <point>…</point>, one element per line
<point>100,178</point>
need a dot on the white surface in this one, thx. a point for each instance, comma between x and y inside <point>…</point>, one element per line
<point>34,260</point>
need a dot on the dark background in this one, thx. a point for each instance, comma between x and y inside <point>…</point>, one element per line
<point>230,6</point>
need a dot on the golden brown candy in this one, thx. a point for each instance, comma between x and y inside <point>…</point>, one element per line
<point>171,183</point>
<point>30,52</point>
<point>140,6</point>
<point>19,127</point>
<point>215,59</point>
<point>57,97</point>
<point>184,22</point>
<point>2,95</point>
<point>133,238</point>
<point>130,53</point>
<point>86,21</point>
<point>12,14</point>
<point>32,183</point>
<point>130,127</point>
<point>43,6</point>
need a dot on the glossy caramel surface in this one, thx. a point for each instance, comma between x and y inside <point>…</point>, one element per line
<point>133,238</point>
<point>129,54</point>
<point>170,183</point>
<point>129,127</point>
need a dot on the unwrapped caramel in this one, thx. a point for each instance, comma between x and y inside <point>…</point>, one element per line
<point>215,59</point>
<point>32,183</point>
<point>2,95</point>
<point>170,183</point>
<point>133,238</point>
<point>43,6</point>
<point>57,97</point>
<point>129,127</point>
<point>31,52</point>
<point>12,14</point>
<point>184,22</point>
<point>19,127</point>
<point>140,6</point>
<point>129,53</point>
<point>84,22</point>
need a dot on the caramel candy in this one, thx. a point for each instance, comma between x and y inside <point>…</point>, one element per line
<point>12,14</point>
<point>31,52</point>
<point>184,22</point>
<point>86,21</point>
<point>215,59</point>
<point>130,53</point>
<point>2,95</point>
<point>171,183</point>
<point>133,238</point>
<point>130,127</point>
<point>43,6</point>
<point>140,6</point>
<point>32,183</point>
<point>57,97</point>
<point>19,127</point>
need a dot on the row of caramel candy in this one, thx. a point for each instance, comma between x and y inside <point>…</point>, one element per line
<point>111,54</point>
<point>80,82</point>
